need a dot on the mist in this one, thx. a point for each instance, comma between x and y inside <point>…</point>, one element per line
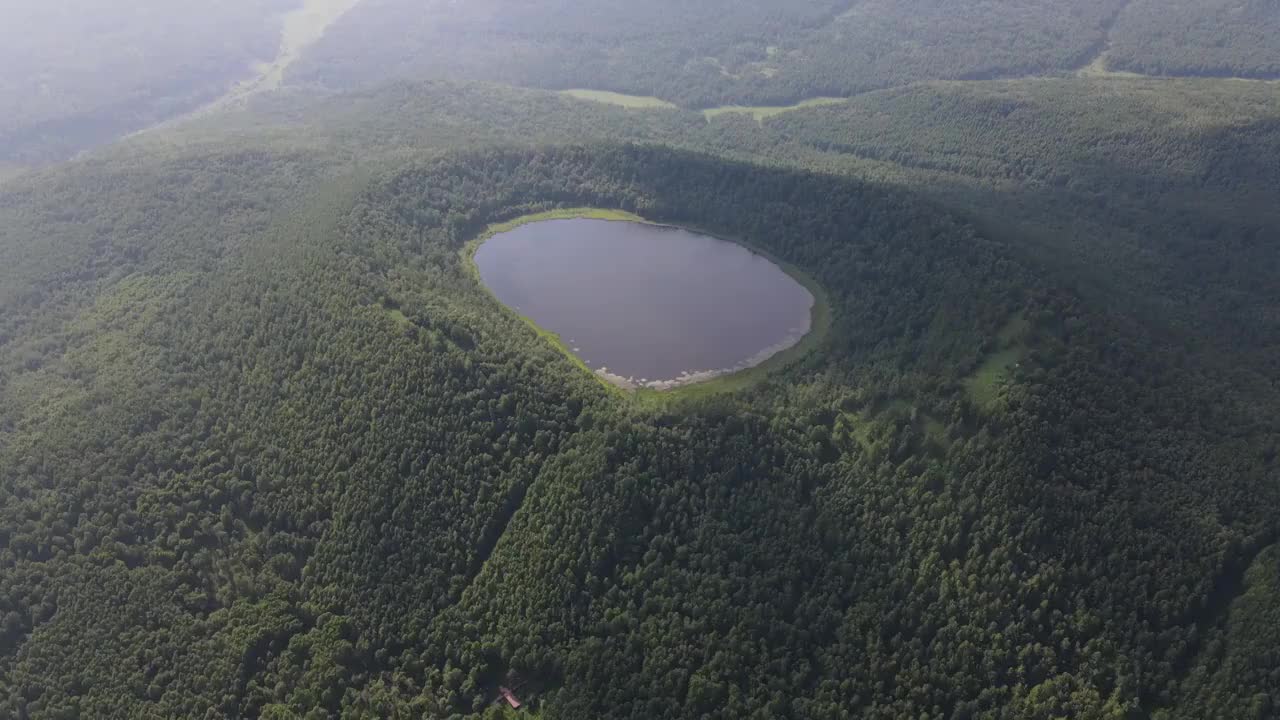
<point>82,72</point>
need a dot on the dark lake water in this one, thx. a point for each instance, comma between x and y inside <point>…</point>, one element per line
<point>646,305</point>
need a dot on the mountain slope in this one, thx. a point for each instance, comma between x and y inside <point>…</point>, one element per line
<point>313,468</point>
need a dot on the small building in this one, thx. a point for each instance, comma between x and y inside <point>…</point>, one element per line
<point>510,697</point>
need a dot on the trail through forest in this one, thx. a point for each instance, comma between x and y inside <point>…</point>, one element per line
<point>302,27</point>
<point>1095,64</point>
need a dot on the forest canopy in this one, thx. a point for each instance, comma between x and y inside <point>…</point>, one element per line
<point>268,449</point>
<point>330,475</point>
<point>1224,38</point>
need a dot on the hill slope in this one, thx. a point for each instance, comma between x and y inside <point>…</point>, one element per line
<point>253,403</point>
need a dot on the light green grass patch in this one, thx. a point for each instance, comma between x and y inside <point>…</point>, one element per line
<point>631,102</point>
<point>399,318</point>
<point>866,427</point>
<point>983,386</point>
<point>1098,69</point>
<point>820,324</point>
<point>764,112</point>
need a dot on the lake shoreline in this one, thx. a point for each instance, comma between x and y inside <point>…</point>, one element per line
<point>742,375</point>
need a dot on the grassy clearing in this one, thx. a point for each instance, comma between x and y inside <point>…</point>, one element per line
<point>399,318</point>
<point>641,102</point>
<point>983,386</point>
<point>820,324</point>
<point>1098,69</point>
<point>764,112</point>
<point>867,425</point>
<point>632,102</point>
<point>857,426</point>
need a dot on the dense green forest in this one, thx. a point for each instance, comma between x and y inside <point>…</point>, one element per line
<point>1150,194</point>
<point>313,469</point>
<point>709,54</point>
<point>84,73</point>
<point>268,449</point>
<point>1210,37</point>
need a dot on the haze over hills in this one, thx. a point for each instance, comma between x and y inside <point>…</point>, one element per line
<point>84,72</point>
<point>268,448</point>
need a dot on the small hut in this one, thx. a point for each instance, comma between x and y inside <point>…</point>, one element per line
<point>510,697</point>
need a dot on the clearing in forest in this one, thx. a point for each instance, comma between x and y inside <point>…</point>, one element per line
<point>632,102</point>
<point>301,28</point>
<point>1097,68</point>
<point>983,386</point>
<point>764,112</point>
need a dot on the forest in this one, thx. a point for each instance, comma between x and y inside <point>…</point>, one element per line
<point>760,52</point>
<point>268,449</point>
<point>315,471</point>
<point>1213,38</point>
<point>84,73</point>
<point>706,54</point>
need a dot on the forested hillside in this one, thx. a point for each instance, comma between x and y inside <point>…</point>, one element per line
<point>269,449</point>
<point>312,468</point>
<point>709,54</point>
<point>83,74</point>
<point>1209,37</point>
<point>1147,193</point>
<point>706,54</point>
